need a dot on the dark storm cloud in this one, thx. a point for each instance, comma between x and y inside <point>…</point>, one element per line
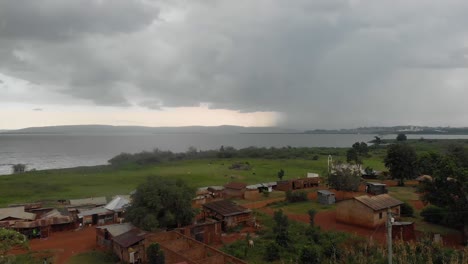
<point>327,63</point>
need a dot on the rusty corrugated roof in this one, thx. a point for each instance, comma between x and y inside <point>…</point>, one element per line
<point>236,185</point>
<point>226,208</point>
<point>130,238</point>
<point>379,202</point>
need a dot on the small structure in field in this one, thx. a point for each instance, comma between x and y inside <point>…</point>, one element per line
<point>118,206</point>
<point>229,213</point>
<point>403,231</point>
<point>234,190</point>
<point>325,197</point>
<point>376,188</point>
<point>367,211</point>
<point>216,191</point>
<point>254,191</point>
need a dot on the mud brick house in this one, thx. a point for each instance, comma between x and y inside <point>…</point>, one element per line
<point>129,246</point>
<point>367,211</point>
<point>325,197</point>
<point>216,191</point>
<point>376,188</point>
<point>179,248</point>
<point>234,190</point>
<point>105,234</point>
<point>229,213</point>
<point>296,184</point>
<point>208,231</point>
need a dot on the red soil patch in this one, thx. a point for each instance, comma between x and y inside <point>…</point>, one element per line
<point>65,244</point>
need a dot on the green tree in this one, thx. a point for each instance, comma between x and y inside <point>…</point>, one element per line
<point>345,179</point>
<point>352,156</point>
<point>401,137</point>
<point>281,228</point>
<point>10,239</point>
<point>312,213</point>
<point>154,254</point>
<point>18,168</point>
<point>428,163</point>
<point>311,254</point>
<point>401,161</point>
<point>280,174</point>
<point>160,203</point>
<point>449,190</point>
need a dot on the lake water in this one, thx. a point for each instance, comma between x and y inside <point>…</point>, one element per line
<point>64,151</point>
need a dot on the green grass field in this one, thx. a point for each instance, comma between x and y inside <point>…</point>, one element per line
<point>92,257</point>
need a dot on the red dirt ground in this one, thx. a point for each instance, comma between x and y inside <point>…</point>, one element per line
<point>65,244</point>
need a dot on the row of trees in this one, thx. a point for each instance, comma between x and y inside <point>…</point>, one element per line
<point>157,156</point>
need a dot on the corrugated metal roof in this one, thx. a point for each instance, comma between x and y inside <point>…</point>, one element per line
<point>16,212</point>
<point>226,208</point>
<point>117,204</point>
<point>129,238</point>
<point>376,183</point>
<point>325,192</point>
<point>117,229</point>
<point>235,185</point>
<point>86,201</point>
<point>97,210</point>
<point>379,202</point>
<point>215,188</point>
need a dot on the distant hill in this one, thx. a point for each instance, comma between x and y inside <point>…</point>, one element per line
<point>106,129</point>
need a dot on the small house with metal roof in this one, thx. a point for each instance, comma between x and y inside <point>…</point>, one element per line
<point>368,211</point>
<point>228,212</point>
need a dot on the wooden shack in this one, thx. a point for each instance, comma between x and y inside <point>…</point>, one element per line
<point>229,213</point>
<point>105,234</point>
<point>208,231</point>
<point>367,211</point>
<point>376,188</point>
<point>325,197</point>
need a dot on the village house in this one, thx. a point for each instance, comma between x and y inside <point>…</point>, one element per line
<point>179,248</point>
<point>376,188</point>
<point>325,197</point>
<point>129,246</point>
<point>77,205</point>
<point>96,216</point>
<point>367,211</point>
<point>105,234</point>
<point>118,206</point>
<point>234,190</point>
<point>229,213</point>
<point>216,191</point>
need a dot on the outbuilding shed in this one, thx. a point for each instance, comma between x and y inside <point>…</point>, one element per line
<point>376,188</point>
<point>325,197</point>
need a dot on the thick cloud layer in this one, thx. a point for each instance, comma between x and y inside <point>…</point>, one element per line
<point>324,63</point>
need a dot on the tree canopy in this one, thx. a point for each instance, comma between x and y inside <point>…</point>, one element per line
<point>401,160</point>
<point>10,239</point>
<point>401,137</point>
<point>345,179</point>
<point>160,203</point>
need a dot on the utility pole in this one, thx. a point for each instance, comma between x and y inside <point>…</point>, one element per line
<point>389,235</point>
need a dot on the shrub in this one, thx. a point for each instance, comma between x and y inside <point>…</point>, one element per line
<point>272,252</point>
<point>433,214</point>
<point>311,254</point>
<point>407,210</point>
<point>294,197</point>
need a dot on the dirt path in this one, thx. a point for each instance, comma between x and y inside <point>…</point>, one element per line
<point>66,244</point>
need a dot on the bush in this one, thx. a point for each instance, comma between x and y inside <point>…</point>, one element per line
<point>310,254</point>
<point>272,252</point>
<point>433,214</point>
<point>406,210</point>
<point>294,197</point>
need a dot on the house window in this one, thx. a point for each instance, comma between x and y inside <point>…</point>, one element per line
<point>380,215</point>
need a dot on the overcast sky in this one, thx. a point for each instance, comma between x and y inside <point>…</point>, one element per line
<point>303,63</point>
